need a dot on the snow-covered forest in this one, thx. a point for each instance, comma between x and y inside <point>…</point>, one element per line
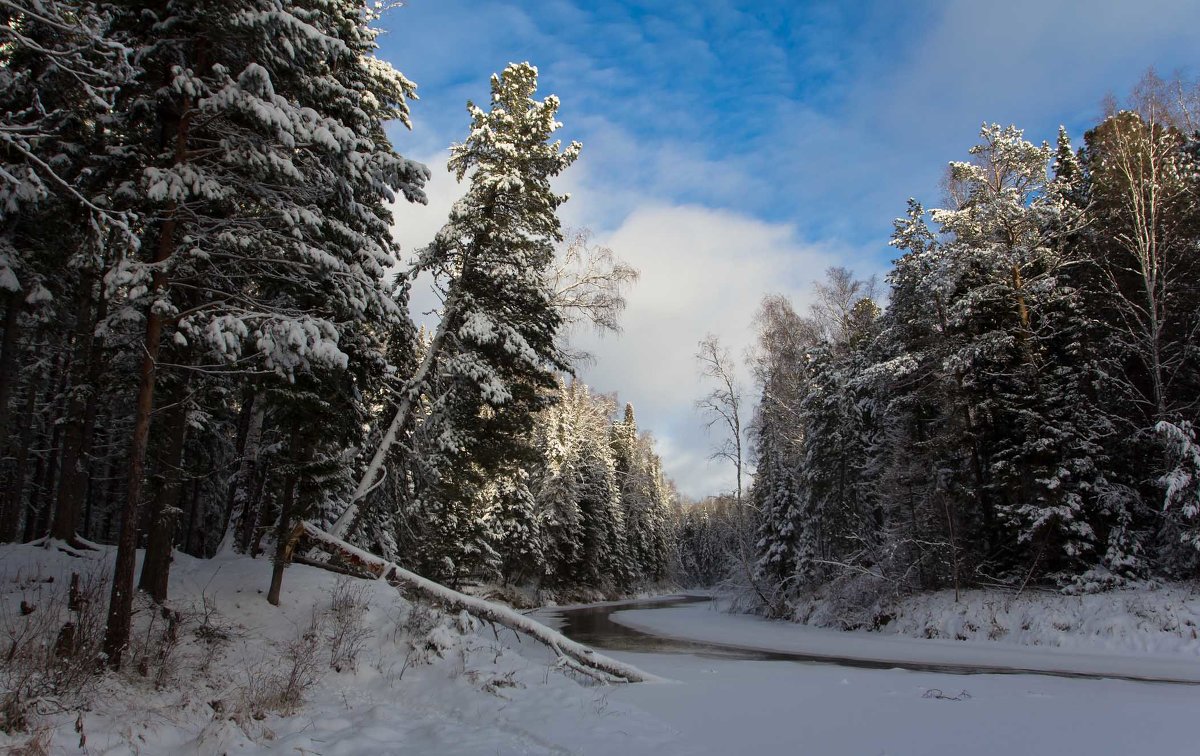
<point>207,336</point>
<point>271,482</point>
<point>1018,406</point>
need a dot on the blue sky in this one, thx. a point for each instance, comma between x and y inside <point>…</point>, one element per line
<point>737,149</point>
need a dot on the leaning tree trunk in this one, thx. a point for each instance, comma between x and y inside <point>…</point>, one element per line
<point>371,477</point>
<point>571,655</point>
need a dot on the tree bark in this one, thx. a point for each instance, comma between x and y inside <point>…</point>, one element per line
<point>283,527</point>
<point>193,512</point>
<point>16,491</point>
<point>371,477</point>
<point>164,509</point>
<point>245,416</point>
<point>112,475</point>
<point>8,361</point>
<point>37,521</point>
<point>80,417</point>
<point>242,512</point>
<point>120,608</point>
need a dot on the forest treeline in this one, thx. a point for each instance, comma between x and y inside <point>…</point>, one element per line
<point>1023,411</point>
<point>206,325</point>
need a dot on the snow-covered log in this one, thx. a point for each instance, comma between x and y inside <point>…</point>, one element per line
<point>572,655</point>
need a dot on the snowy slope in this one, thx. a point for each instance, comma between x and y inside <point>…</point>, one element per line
<point>427,683</point>
<point>423,682</point>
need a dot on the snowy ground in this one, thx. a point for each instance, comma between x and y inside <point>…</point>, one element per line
<point>426,683</point>
<point>1151,618</point>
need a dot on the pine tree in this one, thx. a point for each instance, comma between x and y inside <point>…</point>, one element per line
<point>1016,307</point>
<point>555,484</point>
<point>520,541</point>
<point>60,72</point>
<point>493,358</point>
<point>266,174</point>
<point>783,339</point>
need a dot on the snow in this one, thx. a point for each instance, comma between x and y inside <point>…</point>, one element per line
<point>721,706</point>
<point>701,622</point>
<point>1140,620</point>
<point>748,707</point>
<point>425,683</point>
<point>486,610</point>
<point>431,683</point>
<point>8,279</point>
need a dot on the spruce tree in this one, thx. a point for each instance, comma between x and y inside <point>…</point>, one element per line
<point>494,357</point>
<point>265,176</point>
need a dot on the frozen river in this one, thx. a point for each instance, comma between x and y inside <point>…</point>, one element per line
<point>859,693</point>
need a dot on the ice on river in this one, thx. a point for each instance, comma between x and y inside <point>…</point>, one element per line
<point>718,706</point>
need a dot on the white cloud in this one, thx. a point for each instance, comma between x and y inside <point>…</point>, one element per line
<point>415,225</point>
<point>703,271</point>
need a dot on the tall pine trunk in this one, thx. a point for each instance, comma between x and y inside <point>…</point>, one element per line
<point>287,513</point>
<point>45,474</point>
<point>190,529</point>
<point>120,607</point>
<point>14,496</point>
<point>164,506</point>
<point>8,362</point>
<point>80,418</point>
<point>242,507</point>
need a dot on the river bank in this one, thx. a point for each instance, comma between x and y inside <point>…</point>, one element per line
<point>703,623</point>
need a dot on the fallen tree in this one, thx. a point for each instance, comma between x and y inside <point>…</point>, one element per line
<point>571,655</point>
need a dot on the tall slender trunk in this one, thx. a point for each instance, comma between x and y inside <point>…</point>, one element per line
<point>9,504</point>
<point>120,607</point>
<point>193,512</point>
<point>283,528</point>
<point>8,361</point>
<point>164,509</point>
<point>1025,340</point>
<point>245,416</point>
<point>37,522</point>
<point>111,494</point>
<point>242,507</point>
<point>80,416</point>
<point>89,496</point>
<point>14,497</point>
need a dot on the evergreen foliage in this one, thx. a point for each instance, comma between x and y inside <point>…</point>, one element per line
<point>1022,411</point>
<point>196,246</point>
